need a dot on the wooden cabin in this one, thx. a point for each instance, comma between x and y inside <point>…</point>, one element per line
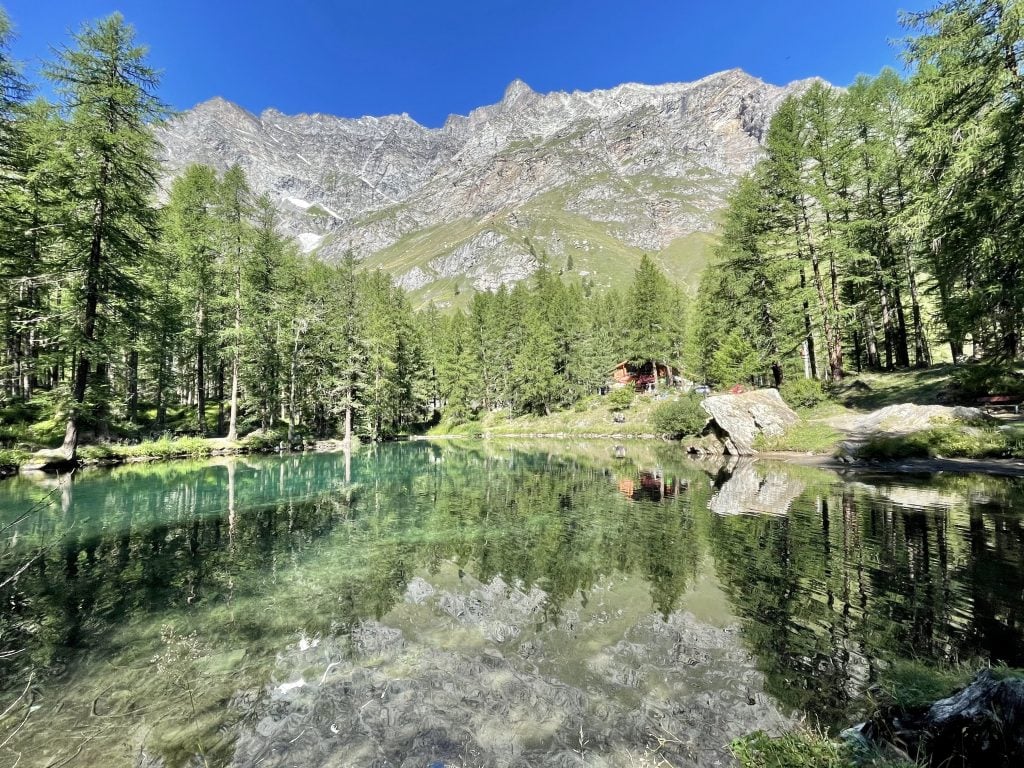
<point>641,376</point>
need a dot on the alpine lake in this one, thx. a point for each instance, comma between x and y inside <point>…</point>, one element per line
<point>483,603</point>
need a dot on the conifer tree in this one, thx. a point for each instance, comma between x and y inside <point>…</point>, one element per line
<point>108,220</point>
<point>192,234</point>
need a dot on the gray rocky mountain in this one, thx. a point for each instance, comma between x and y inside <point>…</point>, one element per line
<point>591,179</point>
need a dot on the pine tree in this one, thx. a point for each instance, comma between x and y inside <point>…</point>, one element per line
<point>108,222</point>
<point>192,235</point>
<point>966,136</point>
<point>262,315</point>
<point>648,309</point>
<point>234,210</point>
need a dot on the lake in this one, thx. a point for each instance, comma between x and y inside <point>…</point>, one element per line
<point>481,604</point>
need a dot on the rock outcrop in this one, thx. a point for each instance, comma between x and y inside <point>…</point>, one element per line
<point>736,420</point>
<point>981,725</point>
<point>601,176</point>
<point>905,418</point>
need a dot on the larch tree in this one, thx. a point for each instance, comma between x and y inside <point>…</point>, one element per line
<point>108,220</point>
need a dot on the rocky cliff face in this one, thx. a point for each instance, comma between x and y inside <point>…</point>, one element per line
<point>592,180</point>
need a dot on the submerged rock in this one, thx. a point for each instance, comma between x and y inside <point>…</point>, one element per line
<point>736,420</point>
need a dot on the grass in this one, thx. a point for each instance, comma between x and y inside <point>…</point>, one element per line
<point>949,440</point>
<point>164,448</point>
<point>910,684</point>
<point>870,391</point>
<point>907,685</point>
<point>803,437</point>
<point>804,748</point>
<point>592,416</point>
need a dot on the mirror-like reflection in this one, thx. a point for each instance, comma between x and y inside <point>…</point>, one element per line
<point>491,604</point>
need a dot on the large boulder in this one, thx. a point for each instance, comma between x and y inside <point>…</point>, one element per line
<point>737,419</point>
<point>905,418</point>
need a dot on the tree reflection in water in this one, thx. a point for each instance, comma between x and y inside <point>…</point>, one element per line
<point>831,578</point>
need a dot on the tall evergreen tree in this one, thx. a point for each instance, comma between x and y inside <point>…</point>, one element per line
<point>108,222</point>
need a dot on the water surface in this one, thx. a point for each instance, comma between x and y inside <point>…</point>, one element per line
<point>481,604</point>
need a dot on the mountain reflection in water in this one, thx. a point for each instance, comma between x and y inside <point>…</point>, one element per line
<point>480,604</point>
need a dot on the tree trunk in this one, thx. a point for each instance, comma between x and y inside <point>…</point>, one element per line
<point>922,354</point>
<point>92,300</point>
<point>348,417</point>
<point>833,344</point>
<point>201,368</point>
<point>808,330</point>
<point>235,353</point>
<point>133,384</point>
<point>902,344</point>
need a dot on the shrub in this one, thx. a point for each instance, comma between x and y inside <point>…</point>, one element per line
<point>263,440</point>
<point>980,379</point>
<point>946,440</point>
<point>681,417</point>
<point>802,393</point>
<point>621,399</point>
<point>583,405</point>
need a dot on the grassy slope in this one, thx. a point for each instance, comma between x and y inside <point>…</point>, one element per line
<point>545,220</point>
<point>591,417</point>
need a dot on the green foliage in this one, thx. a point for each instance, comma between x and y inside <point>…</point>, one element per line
<point>164,448</point>
<point>265,440</point>
<point>620,399</point>
<point>802,393</point>
<point>970,382</point>
<point>803,437</point>
<point>801,748</point>
<point>680,417</point>
<point>735,361</point>
<point>952,440</point>
<point>910,684</point>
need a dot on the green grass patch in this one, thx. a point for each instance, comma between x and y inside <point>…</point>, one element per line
<point>802,748</point>
<point>953,440</point>
<point>163,448</point>
<point>815,437</point>
<point>870,391</point>
<point>805,748</point>
<point>910,684</point>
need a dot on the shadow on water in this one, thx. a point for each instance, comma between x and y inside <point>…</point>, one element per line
<point>479,604</point>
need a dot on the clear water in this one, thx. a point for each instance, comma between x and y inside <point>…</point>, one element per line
<point>480,604</point>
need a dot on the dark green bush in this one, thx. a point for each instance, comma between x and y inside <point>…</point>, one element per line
<point>681,417</point>
<point>802,393</point>
<point>621,399</point>
<point>976,380</point>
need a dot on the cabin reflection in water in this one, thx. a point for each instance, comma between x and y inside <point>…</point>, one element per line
<point>651,485</point>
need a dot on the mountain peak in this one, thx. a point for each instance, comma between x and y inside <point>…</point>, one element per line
<point>517,90</point>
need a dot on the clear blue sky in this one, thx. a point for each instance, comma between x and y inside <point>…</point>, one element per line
<point>434,57</point>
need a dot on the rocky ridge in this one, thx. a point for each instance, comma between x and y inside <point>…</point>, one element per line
<point>598,176</point>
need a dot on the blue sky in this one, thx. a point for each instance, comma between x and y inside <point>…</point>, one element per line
<point>434,58</point>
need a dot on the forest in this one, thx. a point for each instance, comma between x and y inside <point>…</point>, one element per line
<point>882,228</point>
<point>879,231</point>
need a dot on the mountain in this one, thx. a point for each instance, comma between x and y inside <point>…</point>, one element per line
<point>591,179</point>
